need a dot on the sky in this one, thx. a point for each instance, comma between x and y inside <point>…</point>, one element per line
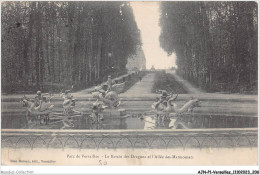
<point>147,16</point>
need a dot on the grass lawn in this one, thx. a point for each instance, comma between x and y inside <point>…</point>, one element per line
<point>166,81</point>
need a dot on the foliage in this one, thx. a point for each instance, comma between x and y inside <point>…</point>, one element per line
<point>65,43</point>
<point>215,42</point>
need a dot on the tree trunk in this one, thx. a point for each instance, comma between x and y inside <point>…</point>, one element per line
<point>99,56</point>
<point>90,52</point>
<point>59,53</point>
<point>27,44</point>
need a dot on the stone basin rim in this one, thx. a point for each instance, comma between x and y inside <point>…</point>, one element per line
<point>163,131</point>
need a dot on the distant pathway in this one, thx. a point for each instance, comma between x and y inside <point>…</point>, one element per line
<point>144,87</point>
<point>141,88</point>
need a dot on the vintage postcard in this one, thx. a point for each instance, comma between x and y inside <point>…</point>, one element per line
<point>129,83</point>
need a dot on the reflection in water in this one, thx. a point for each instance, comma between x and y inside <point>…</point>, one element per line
<point>137,122</point>
<point>149,122</point>
<point>162,122</point>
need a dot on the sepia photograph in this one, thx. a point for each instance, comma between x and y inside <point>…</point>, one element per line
<point>123,83</point>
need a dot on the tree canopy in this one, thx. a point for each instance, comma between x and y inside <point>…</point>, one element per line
<point>54,45</point>
<point>215,42</point>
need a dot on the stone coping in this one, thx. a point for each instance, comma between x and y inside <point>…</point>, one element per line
<point>162,131</point>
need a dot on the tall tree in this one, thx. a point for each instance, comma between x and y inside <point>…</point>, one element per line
<point>214,42</point>
<point>54,45</point>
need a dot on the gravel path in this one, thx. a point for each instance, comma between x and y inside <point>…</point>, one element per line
<point>141,88</point>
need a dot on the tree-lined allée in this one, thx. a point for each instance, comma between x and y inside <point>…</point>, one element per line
<point>54,45</point>
<point>215,43</point>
